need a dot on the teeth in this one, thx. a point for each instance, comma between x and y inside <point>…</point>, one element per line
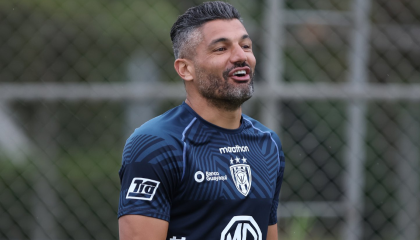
<point>239,72</point>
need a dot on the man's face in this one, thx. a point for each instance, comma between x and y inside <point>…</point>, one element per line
<point>224,64</point>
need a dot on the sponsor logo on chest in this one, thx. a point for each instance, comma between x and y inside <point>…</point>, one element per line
<point>235,149</point>
<point>199,176</point>
<point>241,227</point>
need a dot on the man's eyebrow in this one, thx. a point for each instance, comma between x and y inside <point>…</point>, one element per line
<point>218,40</point>
<point>245,36</point>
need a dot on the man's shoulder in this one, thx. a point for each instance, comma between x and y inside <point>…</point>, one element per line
<point>168,125</point>
<point>257,125</point>
<point>158,137</point>
<point>261,127</point>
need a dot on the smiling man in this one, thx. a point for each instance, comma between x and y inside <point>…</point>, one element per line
<point>204,170</point>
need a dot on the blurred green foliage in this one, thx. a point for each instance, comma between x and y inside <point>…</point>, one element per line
<point>84,183</point>
<point>74,41</point>
<point>300,228</point>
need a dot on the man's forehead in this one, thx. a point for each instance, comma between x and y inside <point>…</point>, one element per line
<point>229,29</point>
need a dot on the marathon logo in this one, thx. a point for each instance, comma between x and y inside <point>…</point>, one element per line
<point>235,149</point>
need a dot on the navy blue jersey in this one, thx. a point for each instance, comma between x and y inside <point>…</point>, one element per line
<point>207,182</point>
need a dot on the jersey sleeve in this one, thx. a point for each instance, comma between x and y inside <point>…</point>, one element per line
<point>275,202</point>
<point>149,175</point>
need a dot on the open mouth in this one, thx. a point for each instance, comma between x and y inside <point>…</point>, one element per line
<point>240,74</point>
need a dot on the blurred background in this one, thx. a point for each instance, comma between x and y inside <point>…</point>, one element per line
<point>338,80</point>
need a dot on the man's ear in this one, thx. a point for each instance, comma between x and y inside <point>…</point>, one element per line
<point>184,68</point>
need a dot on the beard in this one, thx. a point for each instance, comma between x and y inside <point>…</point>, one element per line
<point>222,94</point>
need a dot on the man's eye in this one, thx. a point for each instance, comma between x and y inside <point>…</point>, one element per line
<point>221,49</point>
<point>246,46</point>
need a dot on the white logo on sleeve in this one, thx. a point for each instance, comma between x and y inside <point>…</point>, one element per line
<point>142,188</point>
<point>174,238</point>
<point>242,227</point>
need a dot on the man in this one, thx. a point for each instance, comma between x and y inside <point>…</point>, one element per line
<point>204,170</point>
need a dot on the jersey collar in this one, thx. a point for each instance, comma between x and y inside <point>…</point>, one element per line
<point>231,131</point>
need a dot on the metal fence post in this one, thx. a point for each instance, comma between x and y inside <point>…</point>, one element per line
<point>273,60</point>
<point>46,205</point>
<point>408,181</point>
<point>356,128</point>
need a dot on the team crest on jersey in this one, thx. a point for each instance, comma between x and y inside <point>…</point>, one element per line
<point>241,175</point>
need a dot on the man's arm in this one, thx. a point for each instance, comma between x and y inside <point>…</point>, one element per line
<point>138,227</point>
<point>272,232</point>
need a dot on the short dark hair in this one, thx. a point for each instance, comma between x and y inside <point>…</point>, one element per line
<point>195,17</point>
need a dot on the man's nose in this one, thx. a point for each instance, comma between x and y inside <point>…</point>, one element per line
<point>238,54</point>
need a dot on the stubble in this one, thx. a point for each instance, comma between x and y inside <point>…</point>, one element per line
<point>222,94</point>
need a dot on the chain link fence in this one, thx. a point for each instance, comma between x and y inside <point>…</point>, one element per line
<point>339,80</point>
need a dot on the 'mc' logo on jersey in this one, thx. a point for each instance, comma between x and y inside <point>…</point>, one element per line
<point>241,227</point>
<point>142,188</point>
<point>241,175</point>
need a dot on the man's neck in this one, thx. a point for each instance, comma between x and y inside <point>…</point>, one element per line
<point>219,117</point>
